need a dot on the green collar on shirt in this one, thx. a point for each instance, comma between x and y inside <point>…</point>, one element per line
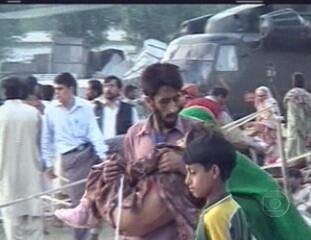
<point>215,201</point>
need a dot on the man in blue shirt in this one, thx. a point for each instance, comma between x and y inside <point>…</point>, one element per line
<point>70,128</point>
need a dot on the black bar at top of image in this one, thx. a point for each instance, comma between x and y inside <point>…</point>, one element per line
<point>118,2</point>
<point>125,1</point>
<point>151,1</point>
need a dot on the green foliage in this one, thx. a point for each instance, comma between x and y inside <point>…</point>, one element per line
<point>89,25</point>
<point>161,22</point>
<point>141,22</point>
<point>8,29</point>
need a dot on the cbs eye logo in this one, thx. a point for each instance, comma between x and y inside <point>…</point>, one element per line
<point>275,203</point>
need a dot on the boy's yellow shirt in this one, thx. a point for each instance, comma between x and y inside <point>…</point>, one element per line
<point>223,220</point>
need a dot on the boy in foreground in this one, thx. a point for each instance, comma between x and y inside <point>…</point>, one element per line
<point>209,161</point>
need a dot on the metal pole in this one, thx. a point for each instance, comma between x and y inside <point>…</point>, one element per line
<point>282,154</point>
<point>120,199</point>
<point>293,159</point>
<point>19,200</point>
<point>307,154</point>
<point>254,156</point>
<point>243,120</point>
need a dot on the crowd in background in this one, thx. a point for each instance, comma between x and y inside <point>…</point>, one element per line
<point>45,128</point>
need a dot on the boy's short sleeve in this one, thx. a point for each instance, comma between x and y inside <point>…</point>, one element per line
<point>224,221</point>
<point>216,226</point>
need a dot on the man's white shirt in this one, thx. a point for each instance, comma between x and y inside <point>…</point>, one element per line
<point>110,119</point>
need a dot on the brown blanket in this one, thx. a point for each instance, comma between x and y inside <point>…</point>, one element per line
<point>140,177</point>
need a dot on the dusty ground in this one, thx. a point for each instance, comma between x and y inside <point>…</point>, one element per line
<point>64,233</point>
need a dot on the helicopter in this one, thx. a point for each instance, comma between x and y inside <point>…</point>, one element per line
<point>239,48</point>
<point>242,48</point>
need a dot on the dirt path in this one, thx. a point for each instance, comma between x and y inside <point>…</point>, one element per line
<point>64,233</point>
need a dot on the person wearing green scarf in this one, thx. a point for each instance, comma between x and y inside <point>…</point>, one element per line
<point>269,213</point>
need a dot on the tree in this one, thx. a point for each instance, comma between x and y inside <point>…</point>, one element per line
<point>141,22</point>
<point>9,30</point>
<point>161,22</point>
<point>80,21</point>
<point>89,25</point>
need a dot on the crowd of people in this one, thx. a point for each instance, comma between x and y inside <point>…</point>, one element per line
<point>183,173</point>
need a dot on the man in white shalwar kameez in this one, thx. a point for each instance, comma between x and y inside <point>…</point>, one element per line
<point>19,164</point>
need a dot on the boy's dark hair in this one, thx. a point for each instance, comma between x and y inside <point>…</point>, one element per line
<point>294,173</point>
<point>220,91</point>
<point>96,85</point>
<point>114,78</point>
<point>14,88</point>
<point>298,80</point>
<point>158,75</point>
<point>211,149</point>
<point>67,80</point>
<point>47,92</point>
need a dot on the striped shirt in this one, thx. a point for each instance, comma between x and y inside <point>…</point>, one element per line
<point>223,220</point>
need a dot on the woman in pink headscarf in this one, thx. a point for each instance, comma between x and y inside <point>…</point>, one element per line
<point>265,125</point>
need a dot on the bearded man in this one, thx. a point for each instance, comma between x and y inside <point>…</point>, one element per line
<point>114,117</point>
<point>161,83</point>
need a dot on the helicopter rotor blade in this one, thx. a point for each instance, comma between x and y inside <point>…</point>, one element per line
<point>47,11</point>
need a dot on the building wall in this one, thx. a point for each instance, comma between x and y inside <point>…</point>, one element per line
<point>69,55</point>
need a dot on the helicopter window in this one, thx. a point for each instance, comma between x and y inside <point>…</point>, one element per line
<point>203,52</point>
<point>183,52</point>
<point>227,59</point>
<point>287,19</point>
<point>191,52</point>
<point>195,71</point>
